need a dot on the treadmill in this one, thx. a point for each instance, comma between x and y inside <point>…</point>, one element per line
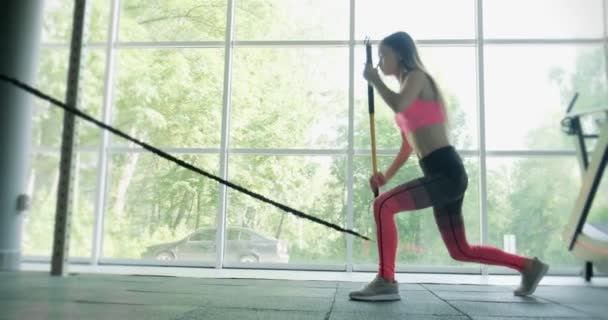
<point>588,241</point>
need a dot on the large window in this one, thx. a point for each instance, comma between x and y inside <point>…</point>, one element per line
<point>151,204</point>
<point>528,89</point>
<point>312,184</point>
<point>170,97</point>
<point>291,20</point>
<point>279,101</point>
<point>259,92</point>
<point>424,19</point>
<point>554,19</point>
<point>39,224</point>
<point>47,129</point>
<point>529,202</point>
<point>189,20</point>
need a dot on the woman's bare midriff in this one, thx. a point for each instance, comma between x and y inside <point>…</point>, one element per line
<point>428,139</point>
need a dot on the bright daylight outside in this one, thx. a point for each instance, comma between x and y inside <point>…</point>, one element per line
<point>288,136</point>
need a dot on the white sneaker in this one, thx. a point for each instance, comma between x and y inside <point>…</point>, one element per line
<point>531,277</point>
<point>378,290</point>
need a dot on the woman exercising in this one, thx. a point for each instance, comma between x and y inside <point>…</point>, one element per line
<point>421,116</point>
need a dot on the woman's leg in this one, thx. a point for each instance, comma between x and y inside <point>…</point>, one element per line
<point>410,196</point>
<point>450,224</point>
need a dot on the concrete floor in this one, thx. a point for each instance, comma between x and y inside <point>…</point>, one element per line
<point>36,295</point>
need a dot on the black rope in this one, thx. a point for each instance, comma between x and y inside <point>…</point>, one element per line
<point>171,158</point>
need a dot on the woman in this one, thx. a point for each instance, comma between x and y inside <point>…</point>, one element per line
<point>421,116</point>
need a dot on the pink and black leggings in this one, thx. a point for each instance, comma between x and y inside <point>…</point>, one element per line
<point>442,187</point>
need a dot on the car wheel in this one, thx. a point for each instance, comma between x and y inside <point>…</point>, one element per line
<point>249,258</point>
<point>165,256</point>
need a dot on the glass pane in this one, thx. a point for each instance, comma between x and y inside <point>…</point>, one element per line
<point>279,101</point>
<point>458,84</point>
<point>292,20</point>
<point>99,20</point>
<point>233,235</point>
<point>315,185</point>
<point>39,224</point>
<point>535,94</point>
<point>420,242</point>
<point>188,20</point>
<point>91,97</point>
<point>58,19</point>
<point>543,19</point>
<point>422,19</point>
<point>529,204</point>
<point>52,79</point>
<point>170,97</point>
<point>154,206</point>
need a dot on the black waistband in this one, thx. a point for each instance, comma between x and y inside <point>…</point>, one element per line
<point>443,160</point>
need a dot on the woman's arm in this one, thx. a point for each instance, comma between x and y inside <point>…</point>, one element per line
<point>400,159</point>
<point>416,81</point>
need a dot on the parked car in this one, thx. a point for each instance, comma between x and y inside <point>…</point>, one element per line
<point>242,245</point>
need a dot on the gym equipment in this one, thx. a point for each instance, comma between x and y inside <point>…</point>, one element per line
<point>588,241</point>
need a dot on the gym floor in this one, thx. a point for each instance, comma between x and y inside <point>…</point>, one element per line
<point>36,295</point>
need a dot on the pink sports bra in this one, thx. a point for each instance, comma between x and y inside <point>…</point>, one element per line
<point>418,114</point>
